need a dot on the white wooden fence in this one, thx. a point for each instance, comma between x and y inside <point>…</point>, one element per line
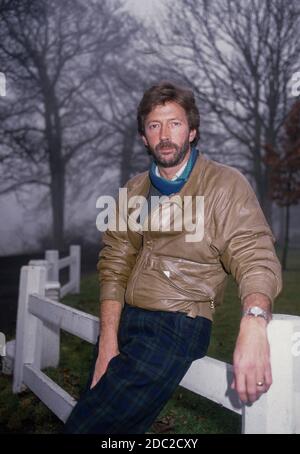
<point>54,291</point>
<point>55,264</point>
<point>277,411</point>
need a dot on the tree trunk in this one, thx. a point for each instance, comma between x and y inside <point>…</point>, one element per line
<point>53,135</point>
<point>261,172</point>
<point>57,203</point>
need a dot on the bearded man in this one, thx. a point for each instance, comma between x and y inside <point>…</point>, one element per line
<point>159,288</point>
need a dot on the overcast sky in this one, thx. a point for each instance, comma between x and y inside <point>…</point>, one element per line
<point>18,232</point>
<point>147,9</point>
<point>144,7</point>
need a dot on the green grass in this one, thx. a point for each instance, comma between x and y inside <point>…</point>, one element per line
<point>185,413</point>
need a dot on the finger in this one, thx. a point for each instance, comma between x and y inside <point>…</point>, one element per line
<point>260,379</point>
<point>261,389</point>
<point>95,380</point>
<point>268,377</point>
<point>251,387</point>
<point>264,376</point>
<point>97,375</point>
<point>233,384</point>
<point>240,386</point>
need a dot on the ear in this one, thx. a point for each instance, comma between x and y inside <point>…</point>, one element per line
<point>192,135</point>
<point>145,140</point>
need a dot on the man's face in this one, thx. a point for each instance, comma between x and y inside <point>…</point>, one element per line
<point>167,134</point>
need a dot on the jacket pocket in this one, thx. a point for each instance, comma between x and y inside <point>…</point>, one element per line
<point>187,277</point>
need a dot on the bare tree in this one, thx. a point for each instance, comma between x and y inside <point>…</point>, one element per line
<point>122,93</point>
<point>239,56</point>
<point>284,164</point>
<point>52,53</point>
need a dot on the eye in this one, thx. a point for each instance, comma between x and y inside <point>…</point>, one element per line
<point>153,126</point>
<point>175,123</point>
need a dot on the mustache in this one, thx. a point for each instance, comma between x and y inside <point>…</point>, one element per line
<point>165,144</point>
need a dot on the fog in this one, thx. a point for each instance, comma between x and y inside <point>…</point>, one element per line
<point>68,130</point>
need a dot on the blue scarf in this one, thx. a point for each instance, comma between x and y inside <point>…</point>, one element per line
<point>168,187</point>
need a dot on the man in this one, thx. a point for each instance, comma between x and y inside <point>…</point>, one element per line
<point>159,287</point>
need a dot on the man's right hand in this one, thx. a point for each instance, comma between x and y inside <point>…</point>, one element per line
<point>110,312</point>
<point>104,357</point>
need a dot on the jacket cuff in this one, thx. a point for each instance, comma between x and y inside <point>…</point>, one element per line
<point>112,291</point>
<point>259,284</point>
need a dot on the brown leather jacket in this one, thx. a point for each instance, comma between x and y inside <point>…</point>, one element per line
<point>160,270</point>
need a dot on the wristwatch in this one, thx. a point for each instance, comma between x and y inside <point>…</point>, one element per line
<point>256,311</point>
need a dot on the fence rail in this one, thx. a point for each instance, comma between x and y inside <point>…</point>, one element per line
<point>54,291</point>
<point>72,320</point>
<point>277,411</point>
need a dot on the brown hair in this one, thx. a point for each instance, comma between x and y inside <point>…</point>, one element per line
<point>165,92</point>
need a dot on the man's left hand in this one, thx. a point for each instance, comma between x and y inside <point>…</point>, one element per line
<point>251,360</point>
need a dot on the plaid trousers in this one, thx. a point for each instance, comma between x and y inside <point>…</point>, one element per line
<point>156,350</point>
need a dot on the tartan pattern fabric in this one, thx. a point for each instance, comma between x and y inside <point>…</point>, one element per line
<point>156,350</point>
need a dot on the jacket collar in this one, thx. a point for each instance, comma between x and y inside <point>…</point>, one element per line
<point>142,186</point>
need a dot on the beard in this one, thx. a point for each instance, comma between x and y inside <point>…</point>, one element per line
<point>172,159</point>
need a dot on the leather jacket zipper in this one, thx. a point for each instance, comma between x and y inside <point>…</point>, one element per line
<point>137,270</point>
<point>186,292</point>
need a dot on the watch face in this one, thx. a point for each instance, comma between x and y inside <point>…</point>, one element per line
<point>256,310</point>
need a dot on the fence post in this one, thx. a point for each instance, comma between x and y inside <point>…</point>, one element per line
<point>52,258</point>
<point>75,268</point>
<point>51,333</point>
<point>278,411</point>
<point>28,347</point>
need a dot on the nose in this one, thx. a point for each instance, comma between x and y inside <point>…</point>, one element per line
<point>164,132</point>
